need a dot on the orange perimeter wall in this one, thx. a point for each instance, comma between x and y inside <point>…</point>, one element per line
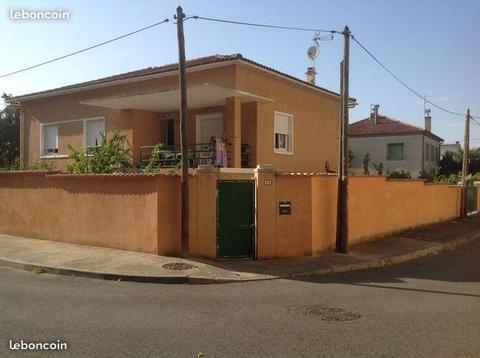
<point>140,212</point>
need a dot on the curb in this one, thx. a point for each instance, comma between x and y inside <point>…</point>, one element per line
<point>435,249</point>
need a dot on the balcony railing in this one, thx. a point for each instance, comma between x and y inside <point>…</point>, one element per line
<point>198,154</point>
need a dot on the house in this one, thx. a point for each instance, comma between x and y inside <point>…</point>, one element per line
<point>264,115</point>
<point>394,143</point>
<point>450,147</point>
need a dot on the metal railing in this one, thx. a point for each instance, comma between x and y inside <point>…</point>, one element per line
<point>198,154</point>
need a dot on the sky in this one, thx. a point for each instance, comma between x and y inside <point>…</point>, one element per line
<point>433,45</point>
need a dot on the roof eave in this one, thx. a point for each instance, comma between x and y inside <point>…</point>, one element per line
<point>233,60</point>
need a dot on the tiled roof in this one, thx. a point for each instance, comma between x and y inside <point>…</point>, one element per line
<point>385,126</point>
<point>172,67</point>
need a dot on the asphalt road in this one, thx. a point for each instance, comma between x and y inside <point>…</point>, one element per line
<point>429,307</point>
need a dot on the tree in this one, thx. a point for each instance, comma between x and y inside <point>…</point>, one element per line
<point>9,135</point>
<point>451,162</point>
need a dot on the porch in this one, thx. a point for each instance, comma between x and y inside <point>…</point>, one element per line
<point>216,115</point>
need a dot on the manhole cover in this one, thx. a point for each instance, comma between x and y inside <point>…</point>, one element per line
<point>178,266</point>
<point>327,313</point>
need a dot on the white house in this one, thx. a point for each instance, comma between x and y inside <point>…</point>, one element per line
<point>394,143</point>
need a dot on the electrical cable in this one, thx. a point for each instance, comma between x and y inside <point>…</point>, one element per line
<point>262,25</point>
<point>85,49</point>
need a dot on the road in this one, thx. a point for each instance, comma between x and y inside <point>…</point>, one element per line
<point>429,307</point>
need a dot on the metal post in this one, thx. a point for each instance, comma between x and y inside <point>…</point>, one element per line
<point>466,154</point>
<point>183,128</point>
<point>342,232</point>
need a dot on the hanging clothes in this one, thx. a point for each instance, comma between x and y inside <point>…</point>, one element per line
<point>221,155</point>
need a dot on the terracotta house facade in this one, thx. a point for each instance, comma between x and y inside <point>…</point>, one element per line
<point>264,116</point>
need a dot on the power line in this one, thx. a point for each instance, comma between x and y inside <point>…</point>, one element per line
<point>402,82</point>
<point>85,49</point>
<point>263,25</point>
<point>335,32</point>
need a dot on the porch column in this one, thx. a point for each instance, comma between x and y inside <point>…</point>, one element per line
<point>233,126</point>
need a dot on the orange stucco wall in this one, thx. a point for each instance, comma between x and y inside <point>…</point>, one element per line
<point>377,207</point>
<point>107,211</point>
<point>137,213</point>
<point>316,118</point>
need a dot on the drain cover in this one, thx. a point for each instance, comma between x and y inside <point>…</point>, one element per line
<point>327,313</point>
<point>178,266</point>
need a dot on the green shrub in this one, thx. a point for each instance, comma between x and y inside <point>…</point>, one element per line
<point>366,164</point>
<point>399,173</point>
<point>378,167</point>
<point>154,161</point>
<point>111,156</point>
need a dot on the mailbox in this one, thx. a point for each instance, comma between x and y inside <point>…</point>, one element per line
<point>285,208</point>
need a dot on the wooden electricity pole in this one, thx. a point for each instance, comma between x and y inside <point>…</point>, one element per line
<point>342,217</point>
<point>183,127</point>
<point>466,154</point>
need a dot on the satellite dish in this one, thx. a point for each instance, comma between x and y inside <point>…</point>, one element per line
<point>313,52</point>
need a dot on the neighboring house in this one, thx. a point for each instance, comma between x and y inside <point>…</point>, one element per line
<point>394,143</point>
<point>450,147</point>
<point>264,115</point>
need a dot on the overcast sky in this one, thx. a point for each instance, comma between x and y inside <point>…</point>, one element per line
<point>432,45</point>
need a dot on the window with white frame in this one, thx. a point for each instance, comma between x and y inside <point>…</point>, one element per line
<point>93,132</point>
<point>50,140</point>
<point>283,133</point>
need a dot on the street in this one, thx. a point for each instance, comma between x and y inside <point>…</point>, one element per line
<point>428,307</point>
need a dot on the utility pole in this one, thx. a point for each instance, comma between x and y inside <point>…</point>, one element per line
<point>466,154</point>
<point>342,229</point>
<point>183,128</point>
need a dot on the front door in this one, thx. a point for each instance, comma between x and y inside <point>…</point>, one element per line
<point>208,126</point>
<point>235,218</point>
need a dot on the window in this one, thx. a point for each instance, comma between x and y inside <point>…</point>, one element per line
<point>395,151</point>
<point>432,153</point>
<point>50,140</point>
<point>436,159</point>
<point>169,132</point>
<point>93,130</point>
<point>427,151</point>
<point>283,133</point>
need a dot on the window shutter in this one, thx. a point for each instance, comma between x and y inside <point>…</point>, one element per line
<point>93,129</point>
<point>50,139</point>
<point>282,124</point>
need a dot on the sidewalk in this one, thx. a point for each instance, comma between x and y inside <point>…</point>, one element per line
<point>88,261</point>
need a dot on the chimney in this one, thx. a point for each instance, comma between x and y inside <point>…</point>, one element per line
<point>428,120</point>
<point>374,113</point>
<point>311,75</point>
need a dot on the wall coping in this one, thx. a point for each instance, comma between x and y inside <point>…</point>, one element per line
<point>288,174</point>
<point>28,172</point>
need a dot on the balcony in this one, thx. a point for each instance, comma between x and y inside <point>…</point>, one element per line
<point>198,154</point>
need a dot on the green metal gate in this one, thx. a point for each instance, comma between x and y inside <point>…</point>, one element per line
<point>235,218</point>
<point>471,198</point>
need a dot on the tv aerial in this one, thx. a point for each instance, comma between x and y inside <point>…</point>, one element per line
<point>314,50</point>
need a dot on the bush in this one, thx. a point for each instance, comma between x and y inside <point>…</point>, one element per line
<point>378,167</point>
<point>366,164</point>
<point>40,164</point>
<point>399,173</point>
<point>112,156</point>
<point>154,161</point>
